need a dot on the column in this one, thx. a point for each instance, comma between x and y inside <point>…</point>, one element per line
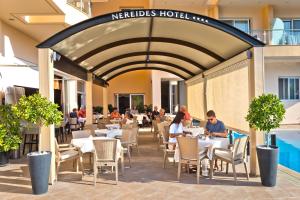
<point>212,11</point>
<point>46,89</point>
<point>89,98</point>
<point>267,16</point>
<point>71,96</point>
<point>256,88</point>
<point>105,102</point>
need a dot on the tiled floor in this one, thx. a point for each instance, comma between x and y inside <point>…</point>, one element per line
<point>145,180</point>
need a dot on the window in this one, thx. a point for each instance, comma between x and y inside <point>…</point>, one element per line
<point>289,88</point>
<point>290,24</point>
<point>242,24</point>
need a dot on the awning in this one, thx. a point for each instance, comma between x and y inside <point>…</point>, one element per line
<point>181,43</point>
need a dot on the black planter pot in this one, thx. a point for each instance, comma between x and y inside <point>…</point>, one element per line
<point>39,168</point>
<point>268,162</point>
<point>4,158</point>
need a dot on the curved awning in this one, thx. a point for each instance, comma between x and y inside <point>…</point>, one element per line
<point>182,43</point>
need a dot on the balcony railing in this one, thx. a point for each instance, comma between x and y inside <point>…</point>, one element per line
<point>278,37</point>
<point>83,6</point>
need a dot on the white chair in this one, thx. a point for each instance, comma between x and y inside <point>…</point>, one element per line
<point>126,141</point>
<point>106,155</point>
<point>73,122</point>
<point>91,127</point>
<point>65,152</point>
<point>189,154</point>
<point>81,134</point>
<point>168,149</point>
<point>235,155</point>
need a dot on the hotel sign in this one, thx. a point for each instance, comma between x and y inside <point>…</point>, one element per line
<point>158,13</point>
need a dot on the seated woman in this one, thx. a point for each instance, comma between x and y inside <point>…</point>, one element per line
<point>176,127</point>
<point>127,119</point>
<point>115,114</point>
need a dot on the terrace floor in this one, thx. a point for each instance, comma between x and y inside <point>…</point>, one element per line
<point>145,180</point>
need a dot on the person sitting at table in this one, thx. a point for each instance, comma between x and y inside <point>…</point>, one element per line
<point>73,114</point>
<point>154,113</point>
<point>161,117</point>
<point>128,119</point>
<point>134,111</point>
<point>187,117</point>
<point>115,114</point>
<point>215,127</point>
<point>82,112</point>
<point>176,127</point>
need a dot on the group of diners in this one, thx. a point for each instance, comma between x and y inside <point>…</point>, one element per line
<point>214,127</point>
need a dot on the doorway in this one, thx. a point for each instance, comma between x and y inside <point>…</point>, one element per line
<point>123,102</point>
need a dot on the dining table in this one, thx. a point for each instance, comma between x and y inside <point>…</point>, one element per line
<point>86,145</point>
<point>195,131</point>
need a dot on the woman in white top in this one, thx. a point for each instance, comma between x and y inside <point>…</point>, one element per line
<point>176,127</point>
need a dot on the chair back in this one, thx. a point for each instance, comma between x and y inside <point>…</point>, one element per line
<point>126,136</point>
<point>81,134</point>
<point>188,148</point>
<point>134,134</point>
<point>154,123</point>
<point>239,147</point>
<point>57,153</point>
<point>127,126</point>
<point>73,121</point>
<point>91,127</point>
<point>105,149</point>
<point>161,131</point>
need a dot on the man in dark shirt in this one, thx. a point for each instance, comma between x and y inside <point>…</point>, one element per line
<point>155,113</point>
<point>74,114</point>
<point>214,126</point>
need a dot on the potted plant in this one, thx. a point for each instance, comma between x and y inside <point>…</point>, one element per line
<point>10,137</point>
<point>265,113</point>
<point>39,111</point>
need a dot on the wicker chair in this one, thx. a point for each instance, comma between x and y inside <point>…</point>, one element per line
<point>168,149</point>
<point>235,155</point>
<point>73,122</point>
<point>91,127</point>
<point>81,134</point>
<point>106,155</point>
<point>189,154</point>
<point>65,152</point>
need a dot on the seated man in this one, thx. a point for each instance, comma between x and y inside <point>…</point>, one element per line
<point>215,127</point>
<point>161,117</point>
<point>155,113</point>
<point>82,112</point>
<point>187,117</point>
<point>73,114</point>
<point>115,114</point>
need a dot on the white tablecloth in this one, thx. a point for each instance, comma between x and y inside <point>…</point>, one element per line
<point>207,144</point>
<point>86,145</point>
<point>195,131</point>
<point>109,133</point>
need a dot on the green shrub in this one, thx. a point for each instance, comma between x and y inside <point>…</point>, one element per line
<point>38,110</point>
<point>10,137</point>
<point>265,113</point>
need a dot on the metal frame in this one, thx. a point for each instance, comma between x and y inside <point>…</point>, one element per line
<point>152,13</point>
<point>151,53</point>
<point>143,62</point>
<point>146,39</point>
<point>143,68</point>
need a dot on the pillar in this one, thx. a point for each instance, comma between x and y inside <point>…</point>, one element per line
<point>267,16</point>
<point>46,89</point>
<point>105,102</point>
<point>71,96</point>
<point>212,11</point>
<point>89,98</point>
<point>1,41</point>
<point>256,88</point>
